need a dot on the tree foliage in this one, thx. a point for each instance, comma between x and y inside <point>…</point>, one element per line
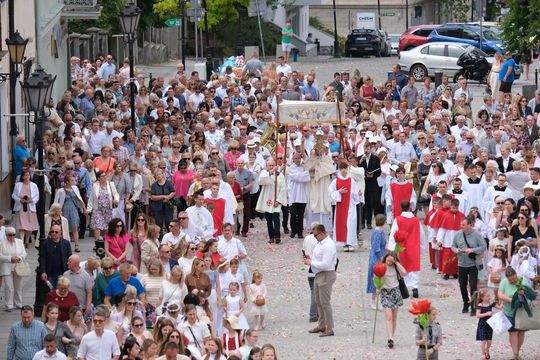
<point>455,10</point>
<point>521,25</point>
<point>217,10</point>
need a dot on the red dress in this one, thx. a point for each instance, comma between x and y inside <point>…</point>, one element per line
<point>64,303</point>
<point>231,343</point>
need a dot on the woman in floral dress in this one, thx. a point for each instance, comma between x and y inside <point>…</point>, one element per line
<point>102,200</point>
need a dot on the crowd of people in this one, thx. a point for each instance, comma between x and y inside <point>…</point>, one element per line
<point>169,200</point>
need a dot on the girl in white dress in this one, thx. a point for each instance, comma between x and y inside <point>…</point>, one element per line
<point>258,293</point>
<point>496,267</point>
<point>234,305</point>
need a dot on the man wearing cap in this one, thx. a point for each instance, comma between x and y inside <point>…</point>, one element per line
<point>372,170</point>
<point>271,198</point>
<point>251,147</point>
<point>398,191</point>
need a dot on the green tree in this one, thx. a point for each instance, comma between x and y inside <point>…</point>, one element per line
<point>218,10</point>
<point>520,26</point>
<point>455,10</point>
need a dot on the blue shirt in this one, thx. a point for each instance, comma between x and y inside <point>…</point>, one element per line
<point>21,153</point>
<point>334,147</point>
<point>310,90</point>
<point>401,79</point>
<point>25,341</point>
<point>117,287</point>
<point>508,63</point>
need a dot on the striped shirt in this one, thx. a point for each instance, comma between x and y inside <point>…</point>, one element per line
<point>25,341</point>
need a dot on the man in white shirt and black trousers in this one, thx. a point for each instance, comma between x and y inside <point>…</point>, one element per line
<point>323,265</point>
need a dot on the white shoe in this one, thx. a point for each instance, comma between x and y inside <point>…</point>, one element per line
<point>373,306</point>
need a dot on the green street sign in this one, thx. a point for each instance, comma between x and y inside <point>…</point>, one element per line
<point>389,14</point>
<point>173,22</point>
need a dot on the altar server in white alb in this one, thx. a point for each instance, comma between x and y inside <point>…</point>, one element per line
<point>345,194</point>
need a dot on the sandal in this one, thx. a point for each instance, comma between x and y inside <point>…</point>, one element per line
<point>77,249</point>
<point>487,355</point>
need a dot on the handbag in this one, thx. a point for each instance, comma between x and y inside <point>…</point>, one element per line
<point>114,204</point>
<point>22,268</point>
<point>479,265</point>
<point>402,286</point>
<point>525,322</point>
<point>499,323</point>
<point>260,301</point>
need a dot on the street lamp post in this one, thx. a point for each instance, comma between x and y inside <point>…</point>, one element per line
<point>16,46</point>
<point>336,40</point>
<point>37,91</point>
<point>129,18</point>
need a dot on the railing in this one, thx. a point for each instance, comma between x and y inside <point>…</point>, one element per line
<point>81,3</point>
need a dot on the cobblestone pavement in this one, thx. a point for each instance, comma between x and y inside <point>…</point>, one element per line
<point>288,300</point>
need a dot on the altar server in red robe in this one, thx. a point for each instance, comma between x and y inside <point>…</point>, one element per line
<point>345,194</point>
<point>448,226</point>
<point>407,232</point>
<point>398,191</point>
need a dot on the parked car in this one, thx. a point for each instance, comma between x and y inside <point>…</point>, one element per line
<point>388,43</point>
<point>468,34</point>
<point>414,36</point>
<point>423,60</point>
<point>394,42</point>
<point>366,41</point>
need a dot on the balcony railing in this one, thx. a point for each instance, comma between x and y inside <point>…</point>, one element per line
<point>81,9</point>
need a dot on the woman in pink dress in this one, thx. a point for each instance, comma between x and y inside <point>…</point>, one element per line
<point>116,240</point>
<point>232,154</point>
<point>25,196</point>
<point>367,91</point>
<point>181,181</point>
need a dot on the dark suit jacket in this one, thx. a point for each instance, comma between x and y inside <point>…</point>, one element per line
<point>533,133</point>
<point>47,256</point>
<point>374,164</point>
<point>173,262</point>
<point>501,167</point>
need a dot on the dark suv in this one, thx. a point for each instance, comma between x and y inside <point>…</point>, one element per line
<point>366,41</point>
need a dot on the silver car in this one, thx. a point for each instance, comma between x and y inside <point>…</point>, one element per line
<point>394,41</point>
<point>425,59</point>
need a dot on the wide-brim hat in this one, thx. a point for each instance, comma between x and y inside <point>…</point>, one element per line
<point>233,321</point>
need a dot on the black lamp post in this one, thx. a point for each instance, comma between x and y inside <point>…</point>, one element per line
<point>16,46</point>
<point>37,91</point>
<point>336,40</point>
<point>129,18</point>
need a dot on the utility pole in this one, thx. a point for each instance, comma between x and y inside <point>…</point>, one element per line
<point>406,15</point>
<point>379,13</point>
<point>182,4</point>
<point>13,131</point>
<point>336,40</point>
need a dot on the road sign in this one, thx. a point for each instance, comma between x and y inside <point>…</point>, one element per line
<point>173,22</point>
<point>195,12</point>
<point>257,7</point>
<point>389,14</point>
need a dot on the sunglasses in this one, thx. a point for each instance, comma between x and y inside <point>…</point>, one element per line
<point>141,220</point>
<point>107,268</point>
<point>132,303</point>
<point>192,248</point>
<point>119,225</point>
<point>97,321</point>
<point>500,203</point>
<point>182,218</point>
<point>54,232</point>
<point>138,325</point>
